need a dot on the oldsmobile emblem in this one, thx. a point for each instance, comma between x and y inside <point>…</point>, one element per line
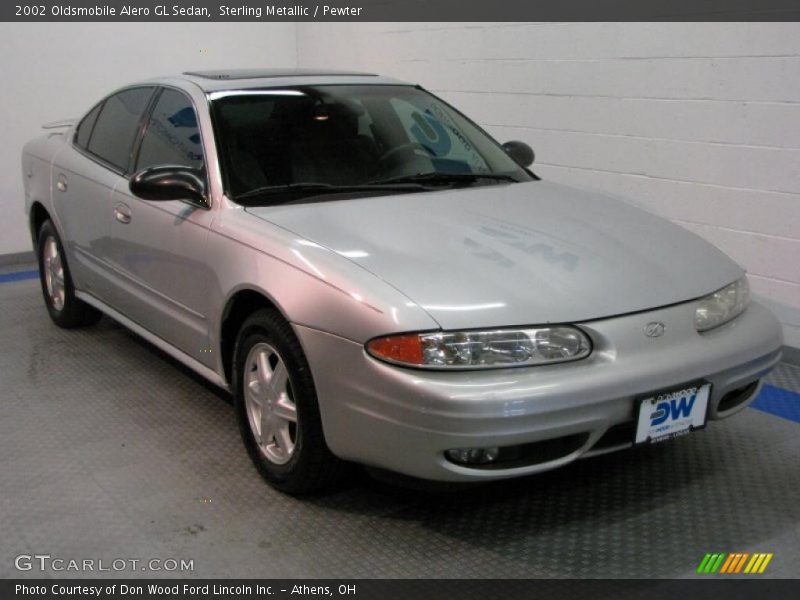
<point>654,329</point>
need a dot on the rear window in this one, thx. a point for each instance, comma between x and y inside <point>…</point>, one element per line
<point>86,125</point>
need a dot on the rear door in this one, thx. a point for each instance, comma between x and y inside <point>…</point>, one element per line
<point>84,174</point>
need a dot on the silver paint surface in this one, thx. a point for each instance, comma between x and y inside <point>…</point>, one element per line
<point>517,254</point>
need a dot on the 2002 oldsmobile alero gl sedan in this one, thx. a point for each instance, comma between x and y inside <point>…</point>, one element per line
<point>378,281</point>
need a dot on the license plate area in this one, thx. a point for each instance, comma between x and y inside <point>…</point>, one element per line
<point>671,413</point>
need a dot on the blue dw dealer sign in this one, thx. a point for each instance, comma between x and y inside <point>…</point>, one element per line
<point>671,414</point>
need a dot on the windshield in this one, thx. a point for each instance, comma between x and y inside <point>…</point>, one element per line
<point>357,138</point>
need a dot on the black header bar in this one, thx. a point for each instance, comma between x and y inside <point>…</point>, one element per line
<point>401,10</point>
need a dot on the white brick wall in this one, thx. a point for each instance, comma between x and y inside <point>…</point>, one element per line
<point>698,122</point>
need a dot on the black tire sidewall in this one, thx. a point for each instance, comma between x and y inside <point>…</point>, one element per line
<point>60,317</point>
<point>268,329</point>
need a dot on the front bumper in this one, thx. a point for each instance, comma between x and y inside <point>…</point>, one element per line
<point>404,419</point>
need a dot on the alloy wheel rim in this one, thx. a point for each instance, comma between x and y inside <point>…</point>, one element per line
<point>269,399</point>
<point>54,273</point>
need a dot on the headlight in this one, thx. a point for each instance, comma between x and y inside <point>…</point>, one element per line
<point>483,349</point>
<point>722,306</point>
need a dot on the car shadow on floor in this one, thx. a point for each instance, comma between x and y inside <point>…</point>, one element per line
<point>652,511</point>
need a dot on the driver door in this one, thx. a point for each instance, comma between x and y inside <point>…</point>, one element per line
<point>158,247</point>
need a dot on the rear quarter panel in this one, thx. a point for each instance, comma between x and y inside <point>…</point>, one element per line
<point>37,159</point>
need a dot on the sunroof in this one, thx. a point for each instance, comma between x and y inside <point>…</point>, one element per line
<point>262,73</point>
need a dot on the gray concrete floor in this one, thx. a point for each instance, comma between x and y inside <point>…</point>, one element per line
<point>110,450</point>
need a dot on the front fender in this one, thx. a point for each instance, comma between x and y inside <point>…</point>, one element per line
<point>312,286</point>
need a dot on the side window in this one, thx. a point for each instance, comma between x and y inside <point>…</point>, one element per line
<point>172,136</point>
<point>84,129</point>
<point>117,126</point>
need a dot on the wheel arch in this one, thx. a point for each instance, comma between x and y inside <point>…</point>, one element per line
<point>37,215</point>
<point>241,304</point>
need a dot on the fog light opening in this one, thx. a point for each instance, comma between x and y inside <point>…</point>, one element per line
<point>473,456</point>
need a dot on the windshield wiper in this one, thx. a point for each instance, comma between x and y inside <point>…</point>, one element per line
<point>407,183</point>
<point>329,188</point>
<point>437,178</point>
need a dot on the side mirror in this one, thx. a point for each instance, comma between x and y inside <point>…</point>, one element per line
<point>169,183</point>
<point>520,152</point>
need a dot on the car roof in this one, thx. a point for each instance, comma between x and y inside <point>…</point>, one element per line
<point>237,79</point>
<point>271,73</point>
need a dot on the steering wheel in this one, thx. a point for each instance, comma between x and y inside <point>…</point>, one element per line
<point>405,147</point>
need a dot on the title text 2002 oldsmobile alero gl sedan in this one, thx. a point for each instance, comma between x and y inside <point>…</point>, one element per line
<point>381,282</point>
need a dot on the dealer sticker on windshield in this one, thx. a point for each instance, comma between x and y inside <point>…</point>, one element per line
<point>670,414</point>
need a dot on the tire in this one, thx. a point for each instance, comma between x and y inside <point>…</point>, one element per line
<point>291,455</point>
<point>64,308</point>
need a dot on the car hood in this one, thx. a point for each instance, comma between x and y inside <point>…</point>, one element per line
<point>515,254</point>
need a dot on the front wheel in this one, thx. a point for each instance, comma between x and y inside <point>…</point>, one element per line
<point>65,309</point>
<point>277,408</point>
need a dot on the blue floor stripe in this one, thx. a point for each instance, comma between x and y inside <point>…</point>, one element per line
<point>18,276</point>
<point>779,402</point>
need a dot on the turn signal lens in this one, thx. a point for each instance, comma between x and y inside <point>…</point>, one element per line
<point>483,349</point>
<point>398,348</point>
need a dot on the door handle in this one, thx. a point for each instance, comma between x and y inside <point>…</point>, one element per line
<point>122,214</point>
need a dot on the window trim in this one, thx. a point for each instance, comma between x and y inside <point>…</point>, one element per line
<point>142,130</point>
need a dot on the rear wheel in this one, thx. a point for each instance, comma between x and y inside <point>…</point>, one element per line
<point>277,408</point>
<point>65,309</point>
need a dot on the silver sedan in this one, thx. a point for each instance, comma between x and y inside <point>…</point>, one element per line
<point>377,281</point>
